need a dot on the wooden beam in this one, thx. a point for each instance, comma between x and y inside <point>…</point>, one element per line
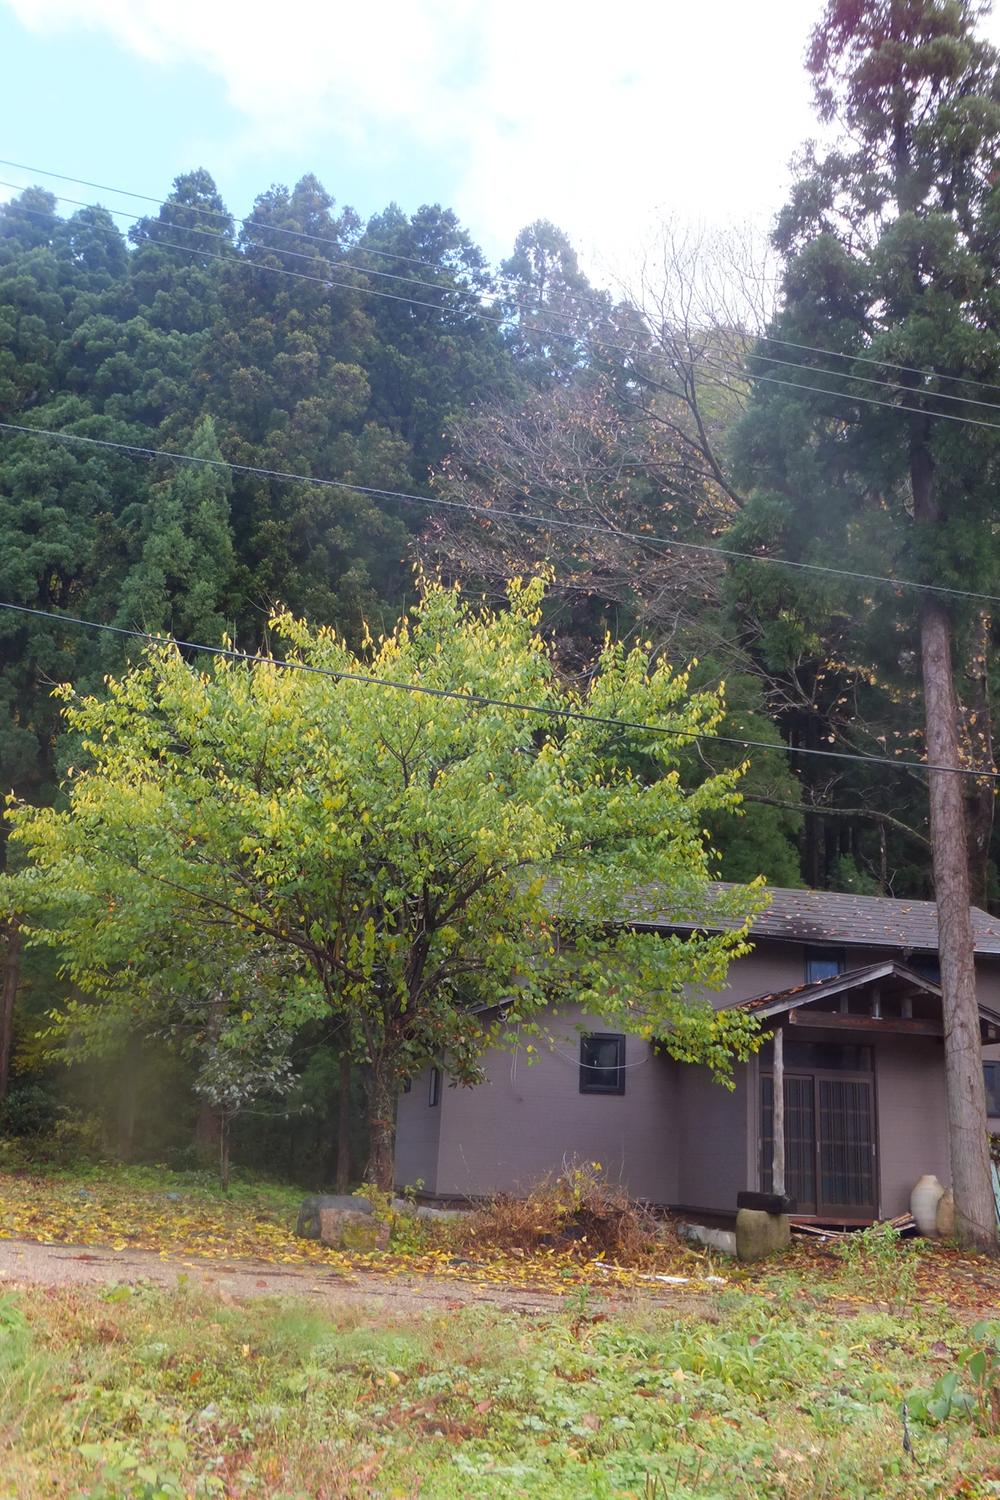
<point>834,1021</point>
<point>778,1113</point>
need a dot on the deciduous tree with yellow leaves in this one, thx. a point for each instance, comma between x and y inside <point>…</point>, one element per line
<point>400,859</point>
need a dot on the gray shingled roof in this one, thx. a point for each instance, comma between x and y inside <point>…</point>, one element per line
<point>836,917</point>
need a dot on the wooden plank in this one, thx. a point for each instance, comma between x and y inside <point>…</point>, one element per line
<point>834,1021</point>
<point>778,1128</point>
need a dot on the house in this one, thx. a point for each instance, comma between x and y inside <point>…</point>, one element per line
<point>852,981</point>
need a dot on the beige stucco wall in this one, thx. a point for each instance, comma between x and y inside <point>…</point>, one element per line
<point>912,1118</point>
<point>675,1136</point>
<point>507,1132</point>
<point>418,1129</point>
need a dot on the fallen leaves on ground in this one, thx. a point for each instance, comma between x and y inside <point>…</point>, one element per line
<point>966,1282</point>
<point>119,1210</point>
<point>168,1214</point>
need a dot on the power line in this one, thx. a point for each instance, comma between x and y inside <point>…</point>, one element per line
<point>492,512</point>
<point>801,385</point>
<point>883,364</point>
<point>311,259</point>
<point>241,260</point>
<point>885,385</point>
<point>430,265</point>
<point>214,213</point>
<point>307,479</point>
<point>483,700</point>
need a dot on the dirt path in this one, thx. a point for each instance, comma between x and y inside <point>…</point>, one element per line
<point>24,1261</point>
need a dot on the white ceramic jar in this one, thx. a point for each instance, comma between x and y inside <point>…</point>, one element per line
<point>924,1202</point>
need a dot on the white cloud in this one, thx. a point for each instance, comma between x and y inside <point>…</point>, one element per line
<point>286,67</point>
<point>599,117</point>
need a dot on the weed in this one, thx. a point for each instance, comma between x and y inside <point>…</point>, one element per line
<point>12,1319</point>
<point>125,1399</point>
<point>880,1258</point>
<point>977,1396</point>
<point>408,1234</point>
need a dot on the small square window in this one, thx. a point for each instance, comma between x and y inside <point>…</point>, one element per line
<point>991,1077</point>
<point>823,963</point>
<point>434,1089</point>
<point>602,1063</point>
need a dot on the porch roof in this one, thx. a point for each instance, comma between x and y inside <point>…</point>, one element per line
<point>893,982</point>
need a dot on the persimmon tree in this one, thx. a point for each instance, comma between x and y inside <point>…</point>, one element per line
<point>424,870</point>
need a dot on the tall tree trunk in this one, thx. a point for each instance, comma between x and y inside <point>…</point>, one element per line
<point>975,1214</point>
<point>127,1100</point>
<point>209,1127</point>
<point>11,980</point>
<point>344,1123</point>
<point>980,796</point>
<point>381,1127</point>
<point>207,1131</point>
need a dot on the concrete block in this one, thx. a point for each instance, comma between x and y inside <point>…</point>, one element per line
<point>714,1239</point>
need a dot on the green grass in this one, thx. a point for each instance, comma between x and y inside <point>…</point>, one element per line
<point>120,1393</point>
<point>198,1183</point>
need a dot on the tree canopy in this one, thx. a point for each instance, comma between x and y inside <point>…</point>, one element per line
<point>421,867</point>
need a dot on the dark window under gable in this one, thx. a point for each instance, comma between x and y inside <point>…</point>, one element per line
<point>824,963</point>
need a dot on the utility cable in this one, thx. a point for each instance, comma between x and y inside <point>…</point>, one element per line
<point>491,512</point>
<point>867,359</point>
<point>885,385</point>
<point>310,257</point>
<point>800,385</point>
<point>241,260</point>
<point>430,265</point>
<point>214,213</point>
<point>483,700</point>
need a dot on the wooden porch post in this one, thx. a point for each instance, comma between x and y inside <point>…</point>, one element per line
<point>778,1113</point>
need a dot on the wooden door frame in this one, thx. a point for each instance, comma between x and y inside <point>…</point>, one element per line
<point>845,1075</point>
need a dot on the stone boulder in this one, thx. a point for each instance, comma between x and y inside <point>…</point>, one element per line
<point>346,1229</point>
<point>308,1226</point>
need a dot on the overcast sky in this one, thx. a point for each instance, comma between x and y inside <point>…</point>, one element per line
<point>601,117</point>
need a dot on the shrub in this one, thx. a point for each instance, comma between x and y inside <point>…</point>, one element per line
<point>29,1110</point>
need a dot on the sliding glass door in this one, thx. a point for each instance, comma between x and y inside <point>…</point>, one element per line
<point>829,1143</point>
